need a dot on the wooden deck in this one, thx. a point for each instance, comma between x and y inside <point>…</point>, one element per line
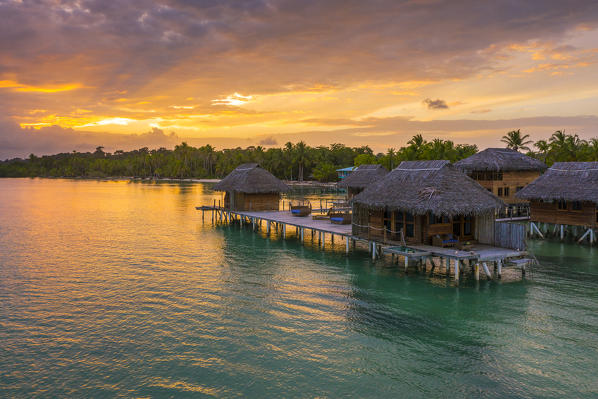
<point>305,222</point>
<point>479,256</point>
<point>477,252</point>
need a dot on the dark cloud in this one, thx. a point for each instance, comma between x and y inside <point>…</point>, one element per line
<point>435,104</point>
<point>264,46</point>
<point>268,141</point>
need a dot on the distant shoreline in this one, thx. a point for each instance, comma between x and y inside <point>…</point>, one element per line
<point>292,183</point>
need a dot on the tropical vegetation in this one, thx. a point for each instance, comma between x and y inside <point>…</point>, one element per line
<point>291,162</point>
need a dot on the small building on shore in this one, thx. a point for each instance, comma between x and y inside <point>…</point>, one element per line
<point>425,200</point>
<point>361,177</point>
<point>566,195</point>
<point>344,172</point>
<point>251,188</point>
<point>503,172</point>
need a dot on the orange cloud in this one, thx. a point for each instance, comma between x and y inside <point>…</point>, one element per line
<point>16,86</point>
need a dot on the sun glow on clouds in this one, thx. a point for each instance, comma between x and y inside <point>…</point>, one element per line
<point>234,99</point>
<point>109,121</point>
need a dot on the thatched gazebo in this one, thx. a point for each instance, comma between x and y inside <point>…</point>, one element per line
<point>502,171</point>
<point>251,188</point>
<point>361,177</point>
<point>425,199</point>
<point>567,194</point>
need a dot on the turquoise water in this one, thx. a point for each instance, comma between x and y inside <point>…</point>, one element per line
<point>118,289</point>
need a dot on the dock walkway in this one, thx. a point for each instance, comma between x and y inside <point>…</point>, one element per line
<point>479,256</point>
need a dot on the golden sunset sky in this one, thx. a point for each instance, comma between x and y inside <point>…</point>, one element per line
<point>127,74</point>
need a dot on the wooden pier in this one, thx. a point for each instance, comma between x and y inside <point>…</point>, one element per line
<point>455,261</point>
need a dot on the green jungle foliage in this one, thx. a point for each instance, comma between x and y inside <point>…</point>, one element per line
<point>292,162</point>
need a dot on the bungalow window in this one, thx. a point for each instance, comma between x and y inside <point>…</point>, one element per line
<point>500,191</point>
<point>405,221</point>
<point>486,175</point>
<point>437,219</point>
<point>562,205</point>
<point>506,191</point>
<point>576,205</point>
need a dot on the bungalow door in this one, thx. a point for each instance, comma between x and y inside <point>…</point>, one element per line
<point>463,227</point>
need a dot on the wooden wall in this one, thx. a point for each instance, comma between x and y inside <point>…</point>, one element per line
<point>548,212</point>
<point>484,229</point>
<point>510,235</point>
<point>254,202</point>
<point>512,180</point>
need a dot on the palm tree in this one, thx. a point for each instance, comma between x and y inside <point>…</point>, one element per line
<point>391,157</point>
<point>543,147</point>
<point>301,157</point>
<point>516,141</point>
<point>593,147</point>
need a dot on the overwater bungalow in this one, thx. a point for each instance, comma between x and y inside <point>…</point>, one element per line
<point>251,188</point>
<point>361,177</point>
<point>431,202</point>
<point>566,195</point>
<point>503,172</point>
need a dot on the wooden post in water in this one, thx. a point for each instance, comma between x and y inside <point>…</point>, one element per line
<point>373,250</point>
<point>268,227</point>
<point>323,239</point>
<point>457,270</point>
<point>406,263</point>
<point>447,266</point>
<point>347,245</point>
<point>562,232</point>
<point>301,234</point>
<point>477,271</point>
<point>284,231</point>
<point>499,265</point>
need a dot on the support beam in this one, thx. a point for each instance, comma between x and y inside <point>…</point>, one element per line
<point>476,271</point>
<point>486,270</point>
<point>534,227</point>
<point>347,244</point>
<point>457,270</point>
<point>562,232</point>
<point>499,270</point>
<point>301,229</point>
<point>406,263</point>
<point>585,235</point>
<point>323,239</point>
<point>447,266</point>
<point>373,250</point>
<point>284,231</point>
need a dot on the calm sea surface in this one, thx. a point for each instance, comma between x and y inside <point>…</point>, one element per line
<point>118,289</point>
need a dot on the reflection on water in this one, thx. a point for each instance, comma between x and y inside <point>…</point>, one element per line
<point>118,288</point>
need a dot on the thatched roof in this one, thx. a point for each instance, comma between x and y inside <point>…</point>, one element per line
<point>569,181</point>
<point>250,178</point>
<point>363,176</point>
<point>420,187</point>
<point>499,160</point>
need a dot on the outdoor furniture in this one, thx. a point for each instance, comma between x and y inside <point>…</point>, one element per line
<point>446,240</point>
<point>300,208</point>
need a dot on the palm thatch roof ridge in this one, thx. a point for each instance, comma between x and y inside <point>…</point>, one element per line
<point>420,187</point>
<point>251,178</point>
<point>363,176</point>
<point>569,181</point>
<point>499,160</point>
